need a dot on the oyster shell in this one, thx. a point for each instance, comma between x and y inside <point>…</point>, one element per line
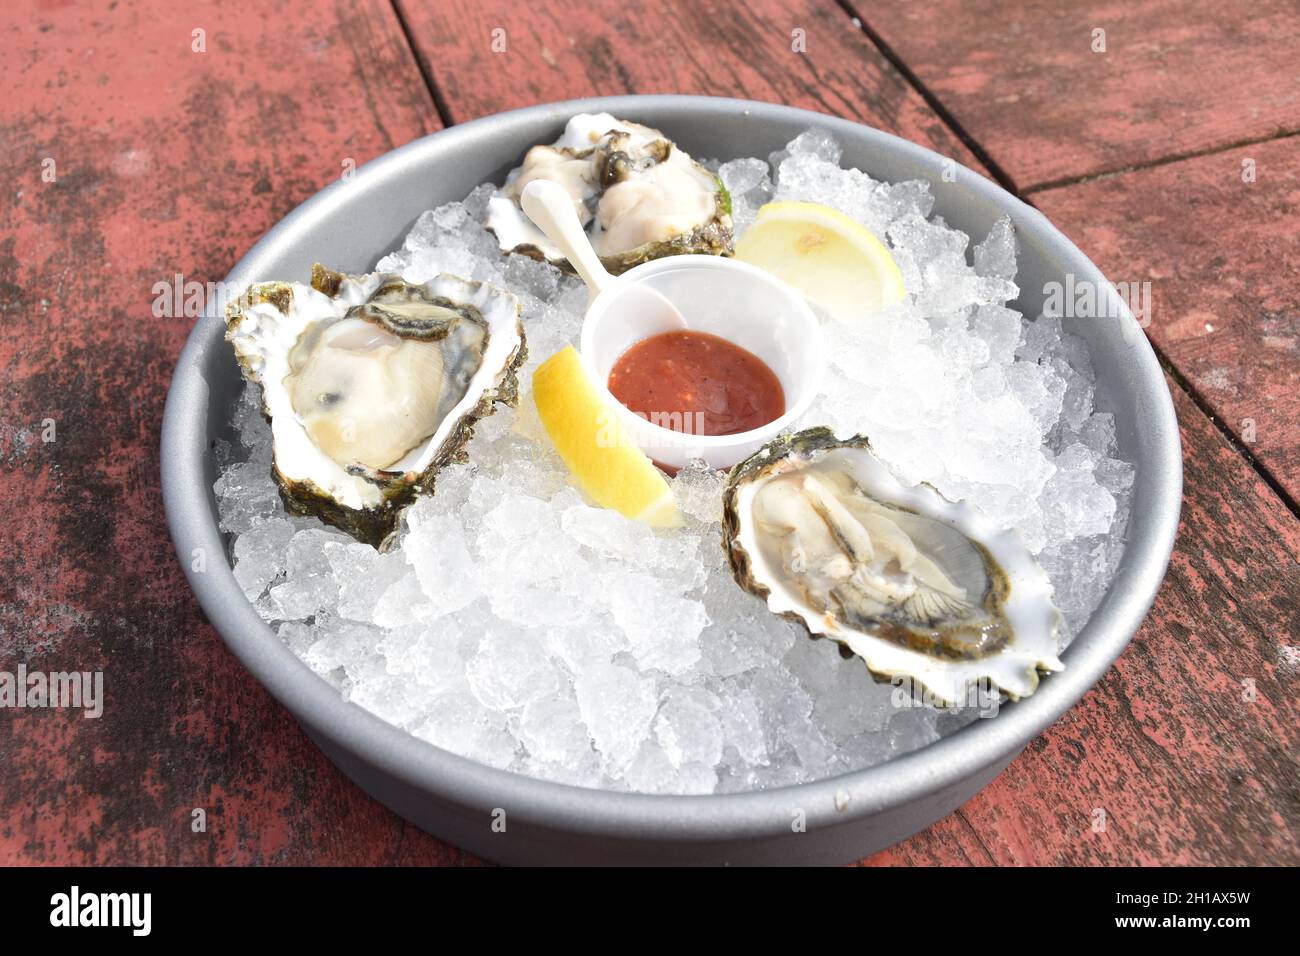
<point>372,385</point>
<point>638,195</point>
<point>916,585</point>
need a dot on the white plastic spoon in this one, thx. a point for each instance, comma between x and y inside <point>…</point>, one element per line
<point>550,208</point>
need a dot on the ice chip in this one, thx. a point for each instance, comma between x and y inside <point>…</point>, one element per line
<point>687,729</point>
<point>743,175</point>
<point>511,669</point>
<point>617,706</point>
<point>260,555</point>
<point>552,730</point>
<point>995,255</point>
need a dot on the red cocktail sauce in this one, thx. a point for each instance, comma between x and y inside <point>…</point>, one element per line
<point>697,383</point>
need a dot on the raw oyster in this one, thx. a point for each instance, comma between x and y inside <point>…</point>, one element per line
<point>638,195</point>
<point>372,385</point>
<point>916,585</point>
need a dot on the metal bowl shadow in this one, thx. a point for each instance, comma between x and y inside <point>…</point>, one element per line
<point>349,225</point>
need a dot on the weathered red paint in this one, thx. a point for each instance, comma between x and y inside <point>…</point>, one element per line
<point>171,161</point>
<point>797,52</point>
<point>166,160</point>
<point>1176,78</point>
<point>1215,238</point>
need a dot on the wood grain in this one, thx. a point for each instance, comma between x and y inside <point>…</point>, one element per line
<point>1216,239</point>
<point>165,161</point>
<point>556,51</point>
<point>1178,77</point>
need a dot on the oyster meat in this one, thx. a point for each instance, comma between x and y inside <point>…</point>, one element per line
<point>918,586</point>
<point>637,194</point>
<point>373,384</point>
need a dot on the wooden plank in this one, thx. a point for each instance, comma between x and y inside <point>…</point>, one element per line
<point>1189,745</point>
<point>1215,239</point>
<point>556,51</point>
<point>158,172</point>
<point>1178,77</point>
<point>165,161</point>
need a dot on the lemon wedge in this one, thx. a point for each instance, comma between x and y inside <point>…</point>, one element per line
<point>833,260</point>
<point>597,450</point>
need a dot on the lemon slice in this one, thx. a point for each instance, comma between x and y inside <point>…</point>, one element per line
<point>597,450</point>
<point>834,261</point>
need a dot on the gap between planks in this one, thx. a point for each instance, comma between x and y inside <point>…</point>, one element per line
<point>1264,473</point>
<point>1005,180</point>
<point>1002,177</point>
<point>1163,161</point>
<point>439,100</point>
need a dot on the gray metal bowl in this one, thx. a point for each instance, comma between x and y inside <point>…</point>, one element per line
<point>349,225</point>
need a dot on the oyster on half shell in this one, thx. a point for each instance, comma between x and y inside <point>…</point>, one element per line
<point>373,384</point>
<point>916,585</point>
<point>636,193</point>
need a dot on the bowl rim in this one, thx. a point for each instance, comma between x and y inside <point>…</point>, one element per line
<point>713,817</point>
<point>690,441</point>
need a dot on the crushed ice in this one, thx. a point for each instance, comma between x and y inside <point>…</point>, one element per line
<point>523,628</point>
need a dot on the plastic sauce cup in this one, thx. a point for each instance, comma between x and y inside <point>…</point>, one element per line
<point>732,300</point>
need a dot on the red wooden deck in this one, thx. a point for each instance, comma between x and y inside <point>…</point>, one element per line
<point>168,160</point>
